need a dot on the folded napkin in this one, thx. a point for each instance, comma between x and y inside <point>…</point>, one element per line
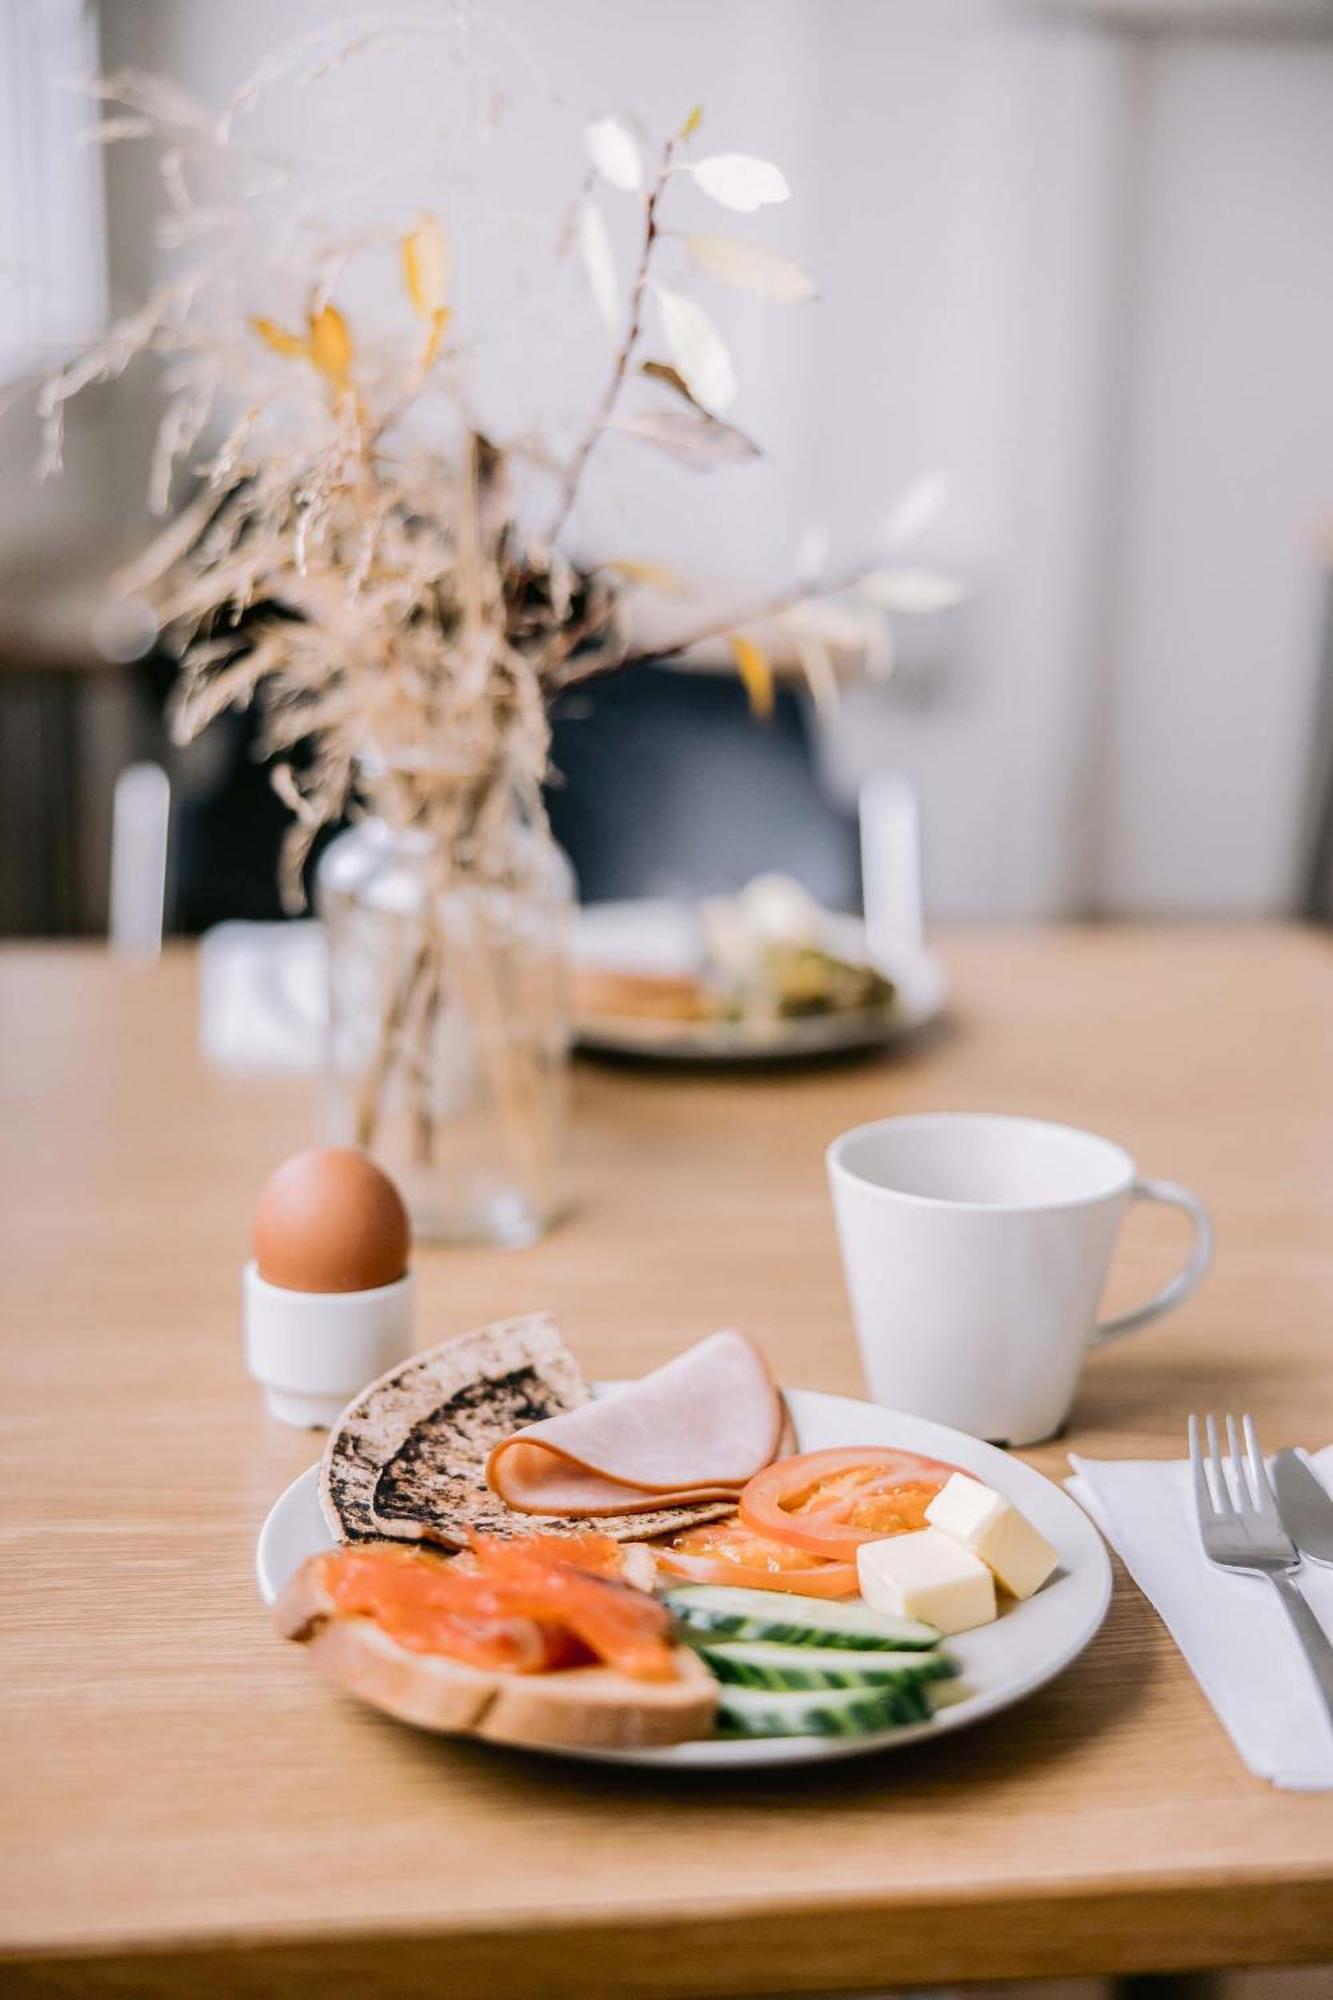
<point>262,1005</point>
<point>1231,1628</point>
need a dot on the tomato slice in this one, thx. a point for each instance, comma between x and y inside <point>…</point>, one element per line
<point>828,1503</point>
<point>728,1552</point>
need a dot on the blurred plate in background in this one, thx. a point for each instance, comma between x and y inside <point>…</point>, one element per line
<point>661,938</point>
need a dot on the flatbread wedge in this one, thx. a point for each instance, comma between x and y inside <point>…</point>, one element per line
<point>407,1460</point>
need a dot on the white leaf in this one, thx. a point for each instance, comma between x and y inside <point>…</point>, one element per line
<point>752,268</point>
<point>614,153</point>
<point>740,181</point>
<point>914,590</point>
<point>599,266</point>
<point>914,510</point>
<point>820,675</point>
<point>830,624</point>
<point>698,350</point>
<point>812,553</point>
<point>691,437</point>
<point>877,638</point>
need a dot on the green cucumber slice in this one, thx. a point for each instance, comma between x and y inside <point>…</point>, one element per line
<point>788,1620</point>
<point>839,1712</point>
<point>760,1663</point>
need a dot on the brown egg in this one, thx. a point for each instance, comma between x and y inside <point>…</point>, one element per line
<point>331,1221</point>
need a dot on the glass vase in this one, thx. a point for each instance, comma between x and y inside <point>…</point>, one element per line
<point>449,1024</point>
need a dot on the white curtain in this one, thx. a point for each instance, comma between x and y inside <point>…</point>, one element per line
<point>52,254</point>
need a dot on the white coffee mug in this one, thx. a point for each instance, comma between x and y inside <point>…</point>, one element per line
<point>975,1250</point>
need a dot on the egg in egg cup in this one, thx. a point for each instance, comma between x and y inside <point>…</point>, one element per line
<point>328,1294</point>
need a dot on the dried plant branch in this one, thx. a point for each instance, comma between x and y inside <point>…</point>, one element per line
<point>722,624</point>
<point>377,597</point>
<point>620,367</point>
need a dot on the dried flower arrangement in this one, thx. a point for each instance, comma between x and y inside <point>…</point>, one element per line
<point>402,624</point>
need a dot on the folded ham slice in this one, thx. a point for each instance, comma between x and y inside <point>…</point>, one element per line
<point>694,1430</point>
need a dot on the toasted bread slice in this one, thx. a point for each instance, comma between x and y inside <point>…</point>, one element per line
<point>601,993</point>
<point>595,1708</point>
<point>581,1708</point>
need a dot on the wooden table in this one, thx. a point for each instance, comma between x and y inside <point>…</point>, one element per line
<point>187,1810</point>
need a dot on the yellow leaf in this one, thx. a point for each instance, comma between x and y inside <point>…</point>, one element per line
<point>755,673</point>
<point>331,345</point>
<point>650,576</point>
<point>289,345</point>
<point>426,267</point>
<point>430,352</point>
<point>693,122</point>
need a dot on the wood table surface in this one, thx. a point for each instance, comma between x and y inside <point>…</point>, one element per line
<point>186,1809</point>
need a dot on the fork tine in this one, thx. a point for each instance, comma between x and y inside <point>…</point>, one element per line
<point>1263,1485</point>
<point>1225,1505</point>
<point>1203,1499</point>
<point>1245,1500</point>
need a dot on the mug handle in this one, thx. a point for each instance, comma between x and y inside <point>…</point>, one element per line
<point>1186,1282</point>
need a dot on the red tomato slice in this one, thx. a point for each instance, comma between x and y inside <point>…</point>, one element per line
<point>828,1503</point>
<point>730,1553</point>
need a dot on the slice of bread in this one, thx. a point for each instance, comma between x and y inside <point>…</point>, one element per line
<point>601,993</point>
<point>585,1708</point>
<point>595,1708</point>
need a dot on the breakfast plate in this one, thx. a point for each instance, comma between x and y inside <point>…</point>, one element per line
<point>659,937</point>
<point>1000,1663</point>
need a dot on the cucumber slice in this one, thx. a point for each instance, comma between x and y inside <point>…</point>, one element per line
<point>758,1663</point>
<point>727,1613</point>
<point>839,1712</point>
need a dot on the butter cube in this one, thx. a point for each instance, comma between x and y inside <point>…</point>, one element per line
<point>993,1529</point>
<point>929,1576</point>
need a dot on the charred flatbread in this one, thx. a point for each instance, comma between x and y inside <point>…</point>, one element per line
<point>407,1460</point>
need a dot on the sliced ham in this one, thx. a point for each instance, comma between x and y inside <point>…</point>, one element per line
<point>694,1430</point>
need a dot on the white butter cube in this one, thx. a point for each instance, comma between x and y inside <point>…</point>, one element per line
<point>993,1529</point>
<point>929,1576</point>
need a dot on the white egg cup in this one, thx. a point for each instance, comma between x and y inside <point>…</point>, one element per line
<point>312,1351</point>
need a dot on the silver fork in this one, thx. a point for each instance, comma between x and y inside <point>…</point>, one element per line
<point>1242,1529</point>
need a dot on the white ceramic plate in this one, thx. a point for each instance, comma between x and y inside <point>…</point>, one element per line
<point>1001,1663</point>
<point>660,936</point>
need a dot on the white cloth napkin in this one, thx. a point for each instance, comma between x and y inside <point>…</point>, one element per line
<point>262,1003</point>
<point>262,987</point>
<point>1232,1630</point>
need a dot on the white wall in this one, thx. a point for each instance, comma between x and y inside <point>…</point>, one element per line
<point>1228,494</point>
<point>1090,270</point>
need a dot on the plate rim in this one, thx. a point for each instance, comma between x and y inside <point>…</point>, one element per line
<point>721,1754</point>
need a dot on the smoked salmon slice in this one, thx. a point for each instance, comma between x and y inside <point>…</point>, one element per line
<point>514,1609</point>
<point>623,1627</point>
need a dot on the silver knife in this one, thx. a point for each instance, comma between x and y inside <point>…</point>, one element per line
<point>1305,1507</point>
